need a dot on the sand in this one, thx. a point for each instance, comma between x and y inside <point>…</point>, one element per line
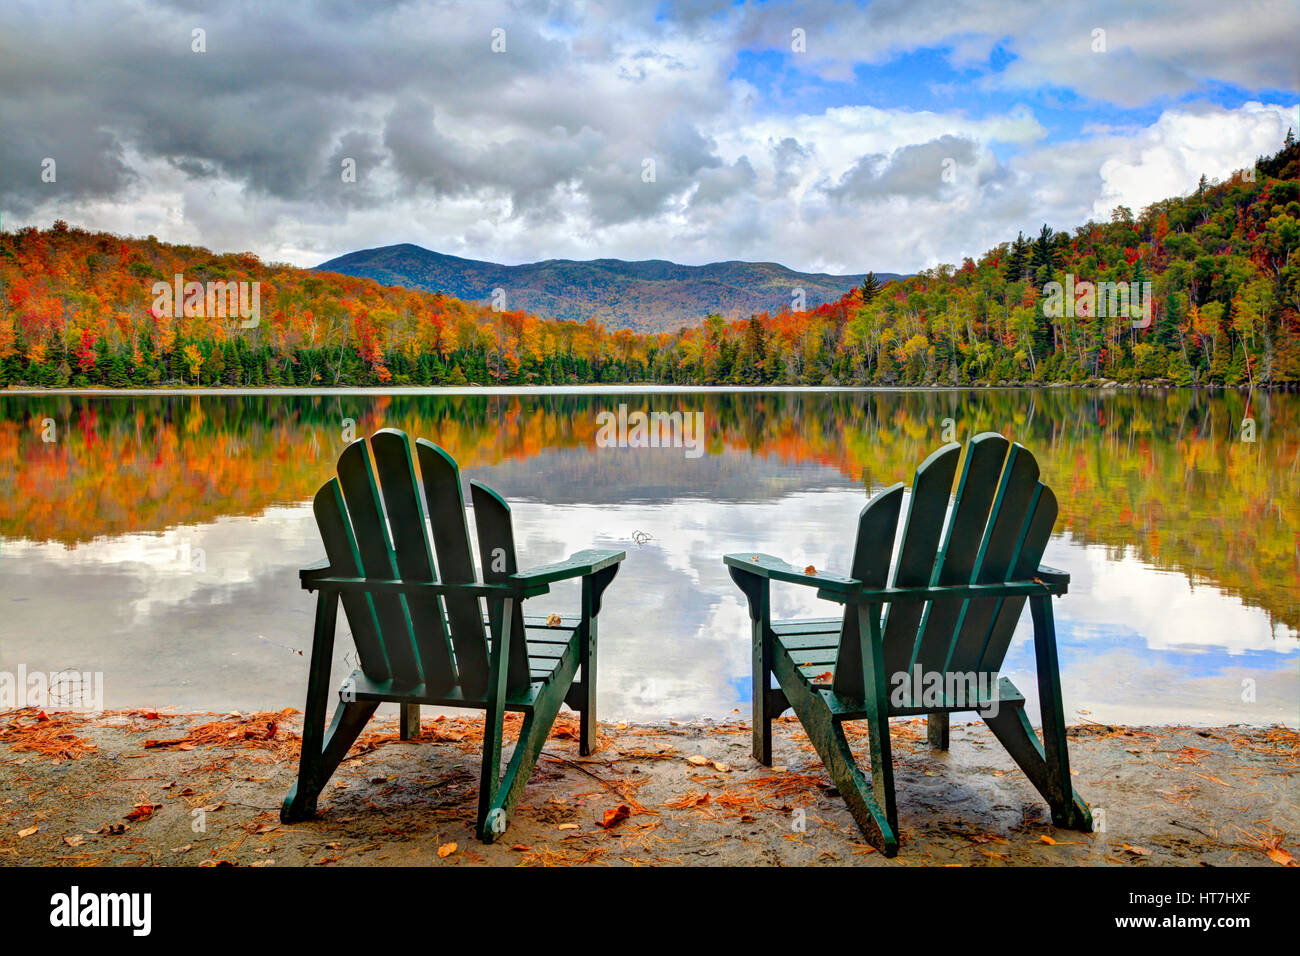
<point>80,790</point>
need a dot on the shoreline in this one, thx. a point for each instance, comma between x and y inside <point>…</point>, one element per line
<point>1104,385</point>
<point>204,789</point>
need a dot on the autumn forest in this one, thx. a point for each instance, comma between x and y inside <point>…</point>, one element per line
<point>78,309</point>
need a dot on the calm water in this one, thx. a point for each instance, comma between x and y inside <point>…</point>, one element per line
<point>158,539</point>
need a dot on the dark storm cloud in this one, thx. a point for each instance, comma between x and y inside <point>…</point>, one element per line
<point>268,104</point>
<point>542,150</point>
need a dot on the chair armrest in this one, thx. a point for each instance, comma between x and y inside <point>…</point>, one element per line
<point>321,569</point>
<point>773,568</point>
<point>578,565</point>
<point>423,590</point>
<point>1052,575</point>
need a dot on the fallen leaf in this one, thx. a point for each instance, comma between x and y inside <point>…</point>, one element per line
<point>810,570</point>
<point>614,816</point>
<point>1213,779</point>
<point>698,760</point>
<point>1137,850</point>
<point>75,840</point>
<point>1281,857</point>
<point>567,826</point>
<point>446,850</point>
<point>28,832</point>
<point>142,811</point>
<point>553,621</point>
<point>721,766</point>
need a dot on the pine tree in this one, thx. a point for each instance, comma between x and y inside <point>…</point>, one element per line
<point>1046,255</point>
<point>1017,259</point>
<point>870,287</point>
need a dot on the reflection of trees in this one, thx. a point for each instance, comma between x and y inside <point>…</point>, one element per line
<point>1162,473</point>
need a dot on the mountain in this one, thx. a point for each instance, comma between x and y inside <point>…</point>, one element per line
<point>652,295</point>
<point>1214,277</point>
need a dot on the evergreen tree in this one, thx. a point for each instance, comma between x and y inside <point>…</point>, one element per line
<point>1017,259</point>
<point>871,287</point>
<point>1046,255</point>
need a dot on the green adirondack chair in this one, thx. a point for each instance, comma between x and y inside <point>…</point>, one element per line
<point>421,635</point>
<point>957,591</point>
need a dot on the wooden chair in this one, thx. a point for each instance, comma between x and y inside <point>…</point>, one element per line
<point>421,635</point>
<point>959,584</point>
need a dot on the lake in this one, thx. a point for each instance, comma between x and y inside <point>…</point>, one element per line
<point>156,539</point>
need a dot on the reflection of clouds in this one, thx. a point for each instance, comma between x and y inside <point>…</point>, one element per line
<point>172,567</point>
<point>674,627</point>
<point>1162,606</point>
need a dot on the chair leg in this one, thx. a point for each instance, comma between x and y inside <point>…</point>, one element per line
<point>936,730</point>
<point>409,726</point>
<point>1068,806</point>
<point>870,802</point>
<point>762,670</point>
<point>322,749</point>
<point>877,818</point>
<point>497,802</point>
<point>587,661</point>
<point>1051,778</point>
<point>316,767</point>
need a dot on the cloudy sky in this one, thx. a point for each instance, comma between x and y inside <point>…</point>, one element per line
<point>827,136</point>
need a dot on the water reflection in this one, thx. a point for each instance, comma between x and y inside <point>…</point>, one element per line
<point>157,539</point>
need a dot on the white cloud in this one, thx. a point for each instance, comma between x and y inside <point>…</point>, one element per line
<point>538,152</point>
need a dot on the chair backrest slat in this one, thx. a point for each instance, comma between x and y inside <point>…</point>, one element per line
<point>361,492</point>
<point>408,526</point>
<point>496,552</point>
<point>872,549</point>
<point>1034,536</point>
<point>1016,491</point>
<point>446,503</point>
<point>931,489</point>
<point>345,561</point>
<point>956,562</point>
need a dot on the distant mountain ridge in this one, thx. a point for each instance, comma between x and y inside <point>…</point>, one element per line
<point>651,295</point>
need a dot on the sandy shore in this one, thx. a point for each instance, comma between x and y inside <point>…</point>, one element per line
<point>138,787</point>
